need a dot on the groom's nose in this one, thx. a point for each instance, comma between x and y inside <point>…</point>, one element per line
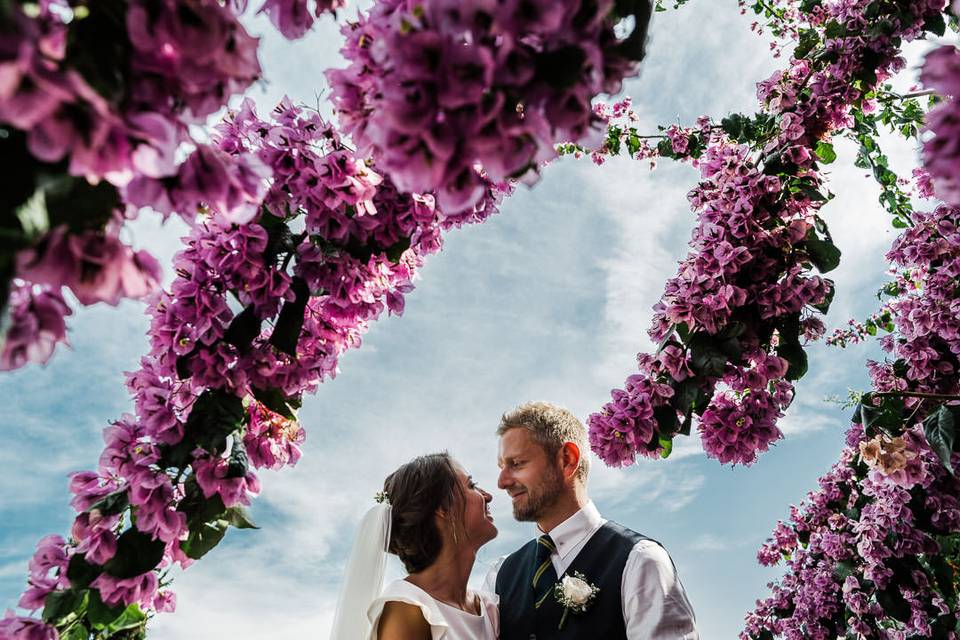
<point>504,480</point>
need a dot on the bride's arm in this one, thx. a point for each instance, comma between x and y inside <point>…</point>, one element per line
<point>402,621</point>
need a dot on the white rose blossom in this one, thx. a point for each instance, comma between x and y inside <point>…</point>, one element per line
<point>575,594</point>
<point>576,591</point>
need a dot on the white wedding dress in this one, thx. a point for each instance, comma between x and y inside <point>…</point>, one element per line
<point>446,622</point>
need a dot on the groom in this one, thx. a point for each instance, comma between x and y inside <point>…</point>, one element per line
<point>543,467</point>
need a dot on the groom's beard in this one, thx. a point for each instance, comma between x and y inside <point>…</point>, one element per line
<point>539,498</point>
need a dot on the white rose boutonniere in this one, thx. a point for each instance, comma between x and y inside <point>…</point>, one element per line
<point>574,594</point>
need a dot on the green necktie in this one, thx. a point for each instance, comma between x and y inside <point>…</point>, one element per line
<point>545,576</point>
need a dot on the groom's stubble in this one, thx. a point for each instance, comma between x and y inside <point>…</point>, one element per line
<point>541,497</point>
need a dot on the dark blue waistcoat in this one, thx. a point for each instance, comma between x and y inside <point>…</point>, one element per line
<point>601,561</point>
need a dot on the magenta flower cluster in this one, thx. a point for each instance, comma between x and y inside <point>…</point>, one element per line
<point>36,325</point>
<point>941,152</point>
<point>437,89</point>
<point>294,18</point>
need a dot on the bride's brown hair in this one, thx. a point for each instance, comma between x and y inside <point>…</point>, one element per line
<point>416,491</point>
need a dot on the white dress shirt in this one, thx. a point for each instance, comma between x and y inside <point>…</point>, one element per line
<point>655,605</point>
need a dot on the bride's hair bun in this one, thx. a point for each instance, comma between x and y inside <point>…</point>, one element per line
<point>417,490</point>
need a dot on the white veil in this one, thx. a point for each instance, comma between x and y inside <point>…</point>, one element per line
<point>363,577</point>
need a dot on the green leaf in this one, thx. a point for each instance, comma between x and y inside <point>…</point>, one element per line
<point>665,149</point>
<point>824,255</point>
<point>857,417</point>
<point>561,67</point>
<point>667,444</point>
<point>824,306</point>
<point>80,205</point>
<point>238,463</point>
<point>686,395</point>
<point>826,152</point>
<point>943,627</point>
<point>945,576</point>
<point>395,251</point>
<point>811,192</point>
<point>894,603</point>
<point>80,572</point>
<point>130,618</point>
<point>940,430</point>
<point>809,38</point>
<point>706,358</point>
<point>795,356</point>
<point>731,348</point>
<point>99,613</point>
<point>111,504</point>
<point>204,538</point>
<point>136,554</point>
<point>735,125</point>
<point>842,570</point>
<point>276,401</point>
<point>32,215</point>
<point>887,415</point>
<point>240,518</point>
<point>835,29</point>
<point>899,223</point>
<point>633,46</point>
<point>935,24</point>
<point>243,329</point>
<point>687,423</point>
<point>279,237</point>
<point>20,173</point>
<point>60,604</point>
<point>286,332</point>
<point>667,422</point>
<point>76,632</point>
<point>183,363</point>
<point>97,41</point>
<point>214,416</point>
<point>198,508</point>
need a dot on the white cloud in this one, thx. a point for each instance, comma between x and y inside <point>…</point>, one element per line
<point>707,542</point>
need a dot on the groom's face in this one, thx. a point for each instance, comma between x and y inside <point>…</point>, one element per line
<point>531,477</point>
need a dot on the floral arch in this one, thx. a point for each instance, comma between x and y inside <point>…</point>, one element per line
<point>304,231</point>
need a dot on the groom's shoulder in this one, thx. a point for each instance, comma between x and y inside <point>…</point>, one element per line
<point>616,531</point>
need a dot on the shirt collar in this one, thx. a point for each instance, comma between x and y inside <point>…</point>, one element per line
<point>572,531</point>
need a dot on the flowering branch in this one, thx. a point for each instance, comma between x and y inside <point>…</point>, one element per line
<point>217,395</point>
<point>732,324</point>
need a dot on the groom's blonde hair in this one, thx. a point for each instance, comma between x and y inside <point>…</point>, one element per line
<point>551,426</point>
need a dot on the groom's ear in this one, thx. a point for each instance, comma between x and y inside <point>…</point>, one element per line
<point>569,459</point>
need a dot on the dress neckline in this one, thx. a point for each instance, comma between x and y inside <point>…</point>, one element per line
<point>451,607</point>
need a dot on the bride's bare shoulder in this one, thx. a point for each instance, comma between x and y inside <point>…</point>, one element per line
<point>402,621</point>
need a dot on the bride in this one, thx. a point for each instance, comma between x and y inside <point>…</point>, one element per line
<point>434,517</point>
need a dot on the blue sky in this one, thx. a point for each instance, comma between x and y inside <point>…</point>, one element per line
<point>548,300</point>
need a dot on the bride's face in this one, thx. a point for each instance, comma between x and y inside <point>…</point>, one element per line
<point>477,521</point>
